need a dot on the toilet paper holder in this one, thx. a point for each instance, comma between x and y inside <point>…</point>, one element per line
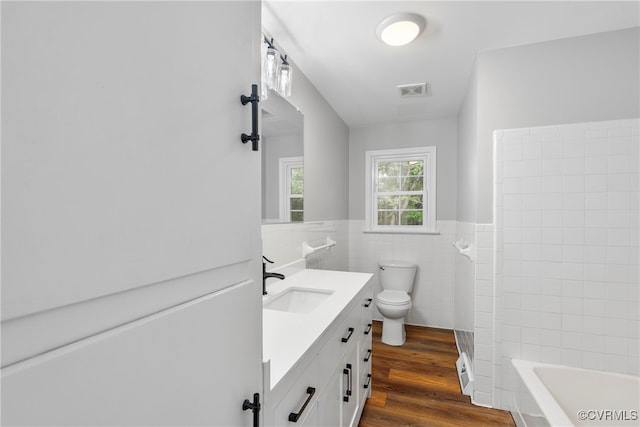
<point>466,249</point>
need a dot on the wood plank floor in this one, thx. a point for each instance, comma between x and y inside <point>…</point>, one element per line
<point>417,384</point>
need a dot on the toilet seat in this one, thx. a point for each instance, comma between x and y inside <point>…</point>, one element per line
<point>395,298</point>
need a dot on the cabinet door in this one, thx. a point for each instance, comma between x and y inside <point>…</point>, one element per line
<point>127,193</point>
<point>312,418</point>
<point>330,401</point>
<point>338,403</point>
<point>351,387</point>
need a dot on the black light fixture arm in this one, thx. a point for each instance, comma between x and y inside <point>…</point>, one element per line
<point>270,44</point>
<point>253,99</point>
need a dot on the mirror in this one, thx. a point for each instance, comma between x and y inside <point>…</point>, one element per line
<point>282,161</point>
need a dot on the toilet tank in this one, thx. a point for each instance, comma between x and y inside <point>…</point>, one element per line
<point>397,276</point>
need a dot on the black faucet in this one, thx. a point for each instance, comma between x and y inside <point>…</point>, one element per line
<point>266,275</point>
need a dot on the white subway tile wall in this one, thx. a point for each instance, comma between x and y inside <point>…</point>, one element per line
<point>282,243</point>
<point>464,277</point>
<point>464,293</point>
<point>565,247</point>
<point>484,317</point>
<point>433,291</point>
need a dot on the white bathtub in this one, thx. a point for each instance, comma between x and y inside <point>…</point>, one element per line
<point>554,395</point>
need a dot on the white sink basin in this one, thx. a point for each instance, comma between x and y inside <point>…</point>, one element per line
<point>298,300</point>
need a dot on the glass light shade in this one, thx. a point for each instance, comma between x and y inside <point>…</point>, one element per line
<point>400,33</point>
<point>284,80</point>
<point>400,29</point>
<point>270,67</point>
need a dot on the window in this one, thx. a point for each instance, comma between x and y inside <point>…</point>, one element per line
<point>401,190</point>
<point>291,189</point>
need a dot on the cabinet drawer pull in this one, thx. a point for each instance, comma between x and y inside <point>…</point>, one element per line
<point>368,356</point>
<point>368,382</point>
<point>368,329</point>
<point>293,417</point>
<point>348,372</point>
<point>368,303</point>
<point>345,339</point>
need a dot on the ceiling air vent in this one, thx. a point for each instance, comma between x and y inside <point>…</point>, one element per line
<point>417,89</point>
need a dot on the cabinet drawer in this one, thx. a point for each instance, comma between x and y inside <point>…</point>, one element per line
<point>367,303</point>
<point>366,333</point>
<point>300,399</point>
<point>366,330</point>
<point>366,354</point>
<point>344,337</point>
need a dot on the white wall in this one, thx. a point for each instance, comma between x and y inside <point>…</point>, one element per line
<point>441,133</point>
<point>466,207</point>
<point>577,79</point>
<point>433,292</point>
<point>467,160</point>
<point>326,153</point>
<point>326,172</point>
<point>571,80</point>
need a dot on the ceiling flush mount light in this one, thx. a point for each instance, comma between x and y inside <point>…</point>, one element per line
<point>401,28</point>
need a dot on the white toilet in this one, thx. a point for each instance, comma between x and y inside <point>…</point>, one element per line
<point>394,301</point>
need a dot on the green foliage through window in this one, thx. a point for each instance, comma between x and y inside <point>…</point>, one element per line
<point>399,188</point>
<point>296,194</point>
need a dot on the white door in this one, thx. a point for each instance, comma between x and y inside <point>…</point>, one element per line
<point>130,212</point>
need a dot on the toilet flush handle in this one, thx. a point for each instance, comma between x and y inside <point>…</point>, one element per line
<point>381,268</point>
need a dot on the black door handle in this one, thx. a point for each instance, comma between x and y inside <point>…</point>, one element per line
<point>368,303</point>
<point>253,99</point>
<point>368,329</point>
<point>294,417</point>
<point>368,357</point>
<point>255,408</point>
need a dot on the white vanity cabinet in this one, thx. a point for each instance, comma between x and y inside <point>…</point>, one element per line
<point>325,387</point>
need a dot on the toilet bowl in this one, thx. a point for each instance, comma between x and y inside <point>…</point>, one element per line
<point>394,302</point>
<point>394,306</point>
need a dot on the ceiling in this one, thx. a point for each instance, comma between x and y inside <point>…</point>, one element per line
<point>335,46</point>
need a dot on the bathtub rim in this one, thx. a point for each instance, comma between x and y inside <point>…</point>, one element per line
<point>550,408</point>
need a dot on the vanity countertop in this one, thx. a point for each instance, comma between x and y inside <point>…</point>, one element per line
<point>286,335</point>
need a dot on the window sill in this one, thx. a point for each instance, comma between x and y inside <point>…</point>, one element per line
<point>434,233</point>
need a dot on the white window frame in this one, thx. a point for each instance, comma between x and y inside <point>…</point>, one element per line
<point>285,166</point>
<point>428,155</point>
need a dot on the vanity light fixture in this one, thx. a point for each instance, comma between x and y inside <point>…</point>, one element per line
<point>270,65</point>
<point>284,78</point>
<point>276,71</point>
<point>400,28</point>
